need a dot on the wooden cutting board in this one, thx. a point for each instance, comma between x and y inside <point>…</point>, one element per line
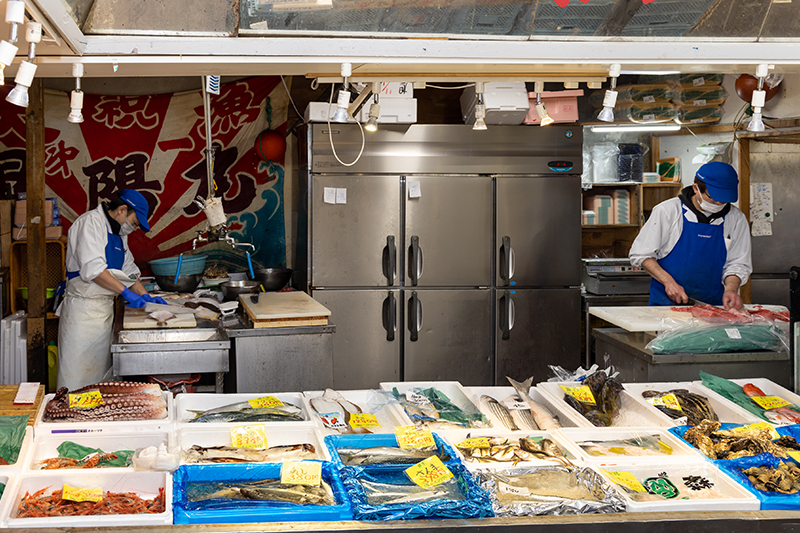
<point>282,309</point>
<point>138,319</point>
<point>651,318</point>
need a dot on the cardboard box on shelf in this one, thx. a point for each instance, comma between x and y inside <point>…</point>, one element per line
<point>50,233</point>
<point>669,169</point>
<point>562,106</point>
<point>21,212</point>
<point>622,206</point>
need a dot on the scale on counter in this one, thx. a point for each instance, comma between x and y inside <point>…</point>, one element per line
<point>614,276</point>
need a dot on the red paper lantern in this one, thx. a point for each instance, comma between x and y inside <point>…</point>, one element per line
<point>270,145</point>
<point>746,84</point>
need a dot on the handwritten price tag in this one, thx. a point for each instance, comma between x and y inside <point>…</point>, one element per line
<point>429,472</point>
<point>68,492</point>
<point>514,405</point>
<point>364,420</point>
<point>770,402</point>
<point>479,442</point>
<point>626,479</point>
<point>505,488</point>
<point>670,401</point>
<point>85,400</point>
<point>411,438</point>
<point>755,427</point>
<point>301,473</point>
<point>252,437</point>
<point>332,420</point>
<point>582,393</point>
<point>265,401</point>
<point>417,399</point>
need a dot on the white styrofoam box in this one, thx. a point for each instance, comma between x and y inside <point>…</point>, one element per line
<point>46,446</point>
<point>389,415</point>
<point>25,452</point>
<point>185,403</point>
<point>727,411</point>
<point>681,452</point>
<point>632,412</point>
<point>459,435</point>
<point>318,112</point>
<point>191,434</point>
<point>768,387</point>
<point>393,111</point>
<point>84,426</point>
<point>452,389</point>
<point>505,102</point>
<point>9,479</point>
<point>565,418</point>
<point>144,484</point>
<point>735,497</point>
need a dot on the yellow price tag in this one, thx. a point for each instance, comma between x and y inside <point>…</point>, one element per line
<point>253,437</point>
<point>265,401</point>
<point>364,420</point>
<point>410,438</point>
<point>773,434</point>
<point>301,473</point>
<point>626,479</point>
<point>429,472</point>
<point>670,401</point>
<point>85,400</point>
<point>582,393</point>
<point>479,442</point>
<point>770,402</point>
<point>75,494</point>
<point>794,455</point>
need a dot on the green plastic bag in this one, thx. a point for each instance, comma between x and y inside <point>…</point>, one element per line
<point>704,337</point>
<point>75,451</point>
<point>12,432</point>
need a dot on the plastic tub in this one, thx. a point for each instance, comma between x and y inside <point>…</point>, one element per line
<point>190,264</point>
<point>389,415</point>
<point>565,418</point>
<point>185,403</point>
<point>676,451</point>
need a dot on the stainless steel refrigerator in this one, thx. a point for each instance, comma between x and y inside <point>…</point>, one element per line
<point>444,253</point>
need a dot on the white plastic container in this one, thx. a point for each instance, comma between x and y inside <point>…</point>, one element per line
<point>9,479</point>
<point>120,426</point>
<point>680,451</point>
<point>144,484</point>
<point>726,411</point>
<point>389,416</point>
<point>565,418</point>
<point>185,403</point>
<point>24,454</point>
<point>199,434</point>
<point>735,497</point>
<point>452,389</point>
<point>46,446</point>
<point>770,388</point>
<point>632,412</point>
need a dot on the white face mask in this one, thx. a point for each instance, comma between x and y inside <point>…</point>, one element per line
<point>707,207</point>
<point>126,229</point>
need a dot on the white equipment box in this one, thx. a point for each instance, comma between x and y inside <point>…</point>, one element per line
<point>506,103</point>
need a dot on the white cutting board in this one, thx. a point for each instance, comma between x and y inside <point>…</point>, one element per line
<point>278,305</point>
<point>651,318</point>
<point>138,319</point>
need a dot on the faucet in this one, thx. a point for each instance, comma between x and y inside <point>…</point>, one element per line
<point>199,238</point>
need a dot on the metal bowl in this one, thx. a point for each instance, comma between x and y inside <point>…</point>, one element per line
<point>185,283</point>
<point>273,279</point>
<point>232,289</point>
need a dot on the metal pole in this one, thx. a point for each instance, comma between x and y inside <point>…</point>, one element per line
<point>209,146</point>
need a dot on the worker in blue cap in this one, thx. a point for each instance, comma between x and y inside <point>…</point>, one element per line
<point>99,267</point>
<point>697,245</point>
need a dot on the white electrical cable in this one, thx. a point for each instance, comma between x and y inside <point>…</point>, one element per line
<point>330,133</point>
<point>299,114</point>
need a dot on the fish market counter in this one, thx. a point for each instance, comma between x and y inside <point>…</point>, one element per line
<point>637,364</point>
<point>282,359</point>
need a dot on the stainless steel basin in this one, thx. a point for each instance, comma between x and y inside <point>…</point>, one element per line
<point>147,336</point>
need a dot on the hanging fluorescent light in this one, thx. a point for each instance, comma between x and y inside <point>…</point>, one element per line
<point>758,100</point>
<point>76,98</point>
<point>621,128</point>
<point>541,110</point>
<point>480,109</point>
<point>343,101</point>
<point>610,98</point>
<point>27,69</point>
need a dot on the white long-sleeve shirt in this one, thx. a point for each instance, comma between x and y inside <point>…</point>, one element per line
<point>661,232</point>
<point>86,246</point>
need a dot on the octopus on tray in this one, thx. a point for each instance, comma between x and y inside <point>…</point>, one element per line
<point>121,400</point>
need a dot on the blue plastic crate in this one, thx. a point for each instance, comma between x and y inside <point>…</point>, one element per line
<point>190,265</point>
<point>333,442</point>
<point>769,500</point>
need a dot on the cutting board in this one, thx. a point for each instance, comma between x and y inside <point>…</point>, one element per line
<point>138,319</point>
<point>283,309</point>
<point>650,318</point>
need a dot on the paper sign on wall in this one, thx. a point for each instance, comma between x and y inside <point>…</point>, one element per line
<point>761,205</point>
<point>761,228</point>
<point>414,189</point>
<point>329,195</point>
<point>341,195</point>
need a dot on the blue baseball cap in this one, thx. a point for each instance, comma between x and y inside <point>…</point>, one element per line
<point>722,182</point>
<point>136,201</point>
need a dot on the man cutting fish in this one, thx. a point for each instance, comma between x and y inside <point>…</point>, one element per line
<point>697,245</point>
<point>99,267</point>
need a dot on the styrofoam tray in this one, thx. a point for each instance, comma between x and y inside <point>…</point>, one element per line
<point>144,484</point>
<point>452,389</point>
<point>201,435</point>
<point>456,436</point>
<point>681,451</point>
<point>184,403</point>
<point>129,426</point>
<point>25,451</point>
<point>770,388</point>
<point>726,411</point>
<point>565,418</point>
<point>632,412</point>
<point>389,415</point>
<point>736,497</point>
<point>46,446</point>
<point>10,479</point>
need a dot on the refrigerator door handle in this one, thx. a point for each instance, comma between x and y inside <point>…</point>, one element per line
<point>507,260</point>
<point>512,313</point>
<point>507,315</point>
<point>414,316</point>
<point>390,259</point>
<point>390,316</point>
<point>414,260</point>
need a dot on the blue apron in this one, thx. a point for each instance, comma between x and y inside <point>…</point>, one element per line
<point>115,255</point>
<point>695,263</point>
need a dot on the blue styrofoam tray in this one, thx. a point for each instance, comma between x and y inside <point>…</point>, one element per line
<point>333,442</point>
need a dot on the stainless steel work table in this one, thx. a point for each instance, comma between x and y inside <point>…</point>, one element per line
<point>589,300</point>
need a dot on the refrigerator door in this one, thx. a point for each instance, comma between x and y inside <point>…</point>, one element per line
<point>448,336</point>
<point>366,345</point>
<point>536,328</point>
<point>538,235</point>
<point>448,231</point>
<point>355,241</point>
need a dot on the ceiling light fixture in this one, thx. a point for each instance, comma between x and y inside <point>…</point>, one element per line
<point>15,15</point>
<point>759,99</point>
<point>374,109</point>
<point>343,101</point>
<point>480,109</point>
<point>621,128</point>
<point>27,69</point>
<point>541,110</point>
<point>76,98</point>
<point>610,98</point>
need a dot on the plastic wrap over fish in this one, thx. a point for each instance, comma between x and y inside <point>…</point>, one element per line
<point>549,491</point>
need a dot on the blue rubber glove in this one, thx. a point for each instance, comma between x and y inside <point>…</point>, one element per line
<point>154,299</point>
<point>134,300</point>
